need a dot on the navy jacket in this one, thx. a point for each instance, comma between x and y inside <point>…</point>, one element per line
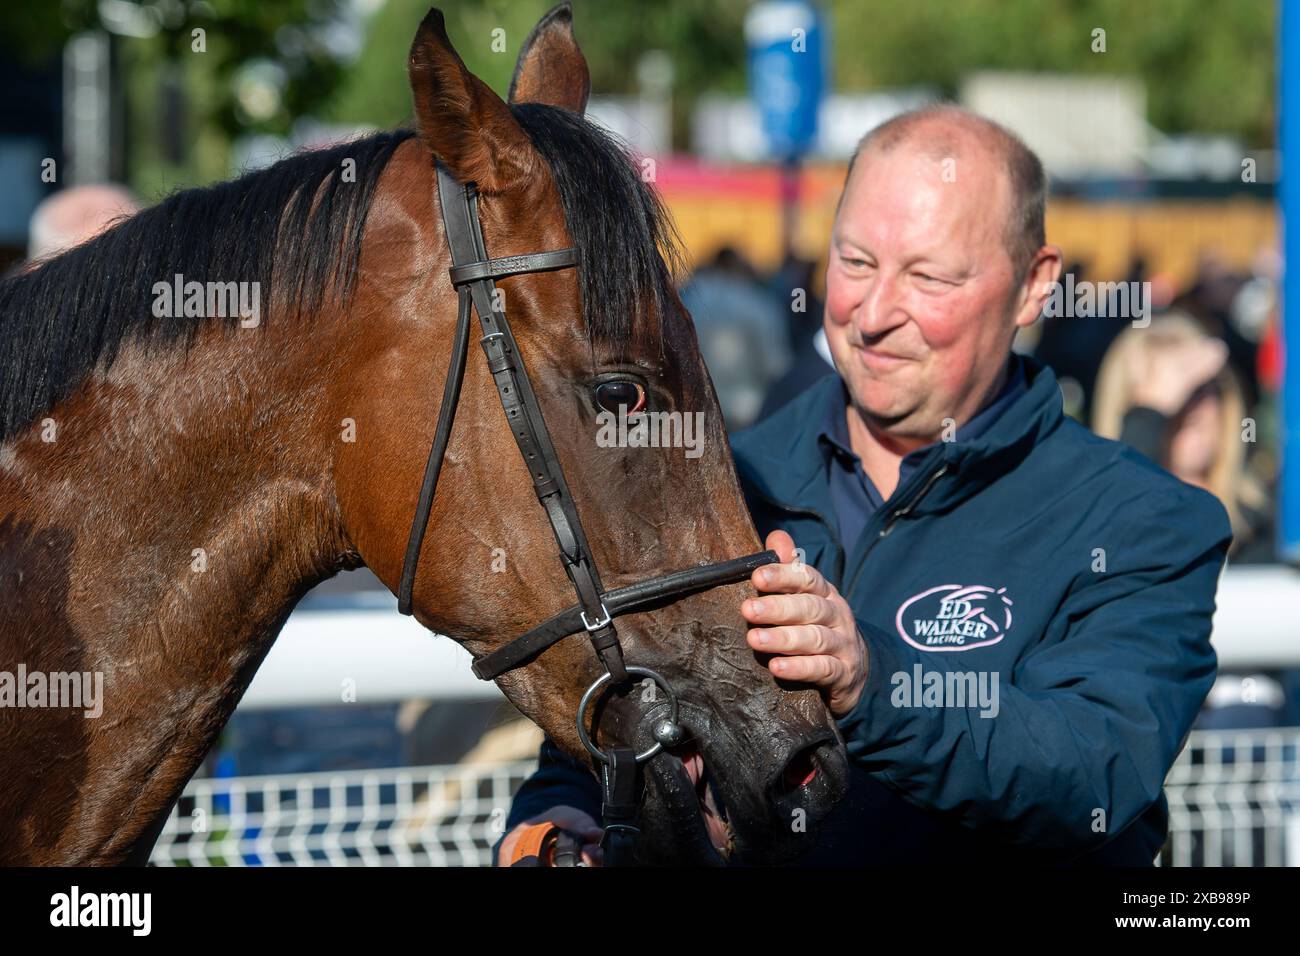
<point>1065,570</point>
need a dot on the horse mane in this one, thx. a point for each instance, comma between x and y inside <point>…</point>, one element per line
<point>302,220</point>
<point>629,252</point>
<point>301,217</point>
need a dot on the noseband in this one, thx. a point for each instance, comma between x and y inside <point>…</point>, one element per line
<point>472,274</point>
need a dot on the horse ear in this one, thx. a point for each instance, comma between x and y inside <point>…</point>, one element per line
<point>551,67</point>
<point>465,125</point>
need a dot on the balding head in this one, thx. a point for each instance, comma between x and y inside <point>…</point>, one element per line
<point>945,131</point>
<point>937,257</point>
<point>73,215</point>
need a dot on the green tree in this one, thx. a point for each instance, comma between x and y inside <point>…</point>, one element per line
<point>1208,64</point>
<point>204,70</point>
<point>703,38</point>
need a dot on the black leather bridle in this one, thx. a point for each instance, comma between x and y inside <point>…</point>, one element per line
<point>472,274</point>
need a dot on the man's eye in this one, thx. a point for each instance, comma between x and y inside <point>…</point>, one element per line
<point>620,392</point>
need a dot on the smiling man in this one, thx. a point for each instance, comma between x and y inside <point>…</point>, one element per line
<point>1008,616</point>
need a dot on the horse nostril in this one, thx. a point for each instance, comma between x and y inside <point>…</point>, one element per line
<point>800,771</point>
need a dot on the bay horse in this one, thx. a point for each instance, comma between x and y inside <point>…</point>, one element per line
<point>173,481</point>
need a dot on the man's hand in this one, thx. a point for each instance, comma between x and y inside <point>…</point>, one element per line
<point>566,818</point>
<point>810,628</point>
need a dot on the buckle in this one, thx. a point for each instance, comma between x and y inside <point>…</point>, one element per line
<point>603,622</point>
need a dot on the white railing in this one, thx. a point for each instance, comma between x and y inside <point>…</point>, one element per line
<point>414,816</point>
<point>1234,800</point>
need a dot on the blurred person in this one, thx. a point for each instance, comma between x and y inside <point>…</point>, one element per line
<point>73,215</point>
<point>1268,361</point>
<point>742,331</point>
<point>1138,269</point>
<point>1073,347</point>
<point>1210,301</point>
<point>797,275</point>
<point>811,360</point>
<point>949,519</point>
<point>1253,311</point>
<point>1168,391</point>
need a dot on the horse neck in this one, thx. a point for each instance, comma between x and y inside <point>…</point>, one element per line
<point>163,520</point>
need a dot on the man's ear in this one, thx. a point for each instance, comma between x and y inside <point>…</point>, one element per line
<point>464,124</point>
<point>1032,296</point>
<point>551,67</point>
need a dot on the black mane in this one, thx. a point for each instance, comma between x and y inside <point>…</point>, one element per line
<point>303,220</point>
<point>628,251</point>
<point>301,217</point>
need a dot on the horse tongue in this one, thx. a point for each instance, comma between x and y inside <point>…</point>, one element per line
<point>694,765</point>
<point>713,822</point>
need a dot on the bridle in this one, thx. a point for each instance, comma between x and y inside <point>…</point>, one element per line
<point>472,274</point>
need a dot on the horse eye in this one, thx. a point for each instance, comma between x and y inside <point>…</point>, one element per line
<point>610,395</point>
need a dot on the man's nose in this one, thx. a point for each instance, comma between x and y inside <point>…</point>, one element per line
<point>881,308</point>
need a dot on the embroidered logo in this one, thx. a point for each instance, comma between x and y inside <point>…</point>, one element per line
<point>955,617</point>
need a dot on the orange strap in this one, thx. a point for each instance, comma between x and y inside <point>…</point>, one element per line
<point>533,842</point>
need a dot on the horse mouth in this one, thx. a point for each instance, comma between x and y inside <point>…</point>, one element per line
<point>697,817</point>
<point>713,812</point>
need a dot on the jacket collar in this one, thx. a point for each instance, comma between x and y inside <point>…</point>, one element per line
<point>783,461</point>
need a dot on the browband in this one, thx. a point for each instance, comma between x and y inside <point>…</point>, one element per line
<point>513,266</point>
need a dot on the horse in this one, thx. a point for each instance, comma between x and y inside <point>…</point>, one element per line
<point>177,471</point>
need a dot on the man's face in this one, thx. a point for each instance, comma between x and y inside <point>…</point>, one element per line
<point>919,310</point>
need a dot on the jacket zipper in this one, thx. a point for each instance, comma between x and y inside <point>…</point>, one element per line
<point>893,518</point>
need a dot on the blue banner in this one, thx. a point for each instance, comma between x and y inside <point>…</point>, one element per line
<point>1289,192</point>
<point>787,71</point>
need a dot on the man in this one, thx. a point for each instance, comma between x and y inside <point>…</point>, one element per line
<point>1008,616</point>
<point>74,215</point>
